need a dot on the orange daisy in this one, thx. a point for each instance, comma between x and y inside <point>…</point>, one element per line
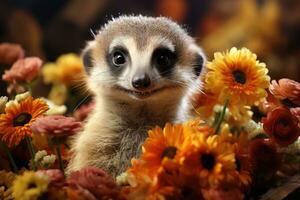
<point>207,157</point>
<point>16,121</point>
<point>161,144</point>
<point>237,75</point>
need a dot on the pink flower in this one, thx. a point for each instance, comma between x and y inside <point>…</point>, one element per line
<point>56,125</point>
<point>23,70</point>
<point>9,53</point>
<point>56,177</point>
<point>82,113</point>
<point>95,180</point>
<point>286,89</point>
<point>222,194</point>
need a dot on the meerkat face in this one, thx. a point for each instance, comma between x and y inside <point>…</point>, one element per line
<point>141,58</point>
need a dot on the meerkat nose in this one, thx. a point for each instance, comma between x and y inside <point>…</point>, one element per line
<point>141,81</point>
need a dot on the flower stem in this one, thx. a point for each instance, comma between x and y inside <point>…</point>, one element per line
<point>61,164</point>
<point>31,150</point>
<point>221,117</point>
<point>10,157</point>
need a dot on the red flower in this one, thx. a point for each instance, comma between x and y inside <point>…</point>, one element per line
<point>223,194</point>
<point>56,125</point>
<point>263,156</point>
<point>23,70</point>
<point>96,181</point>
<point>56,177</point>
<point>9,53</point>
<point>282,126</point>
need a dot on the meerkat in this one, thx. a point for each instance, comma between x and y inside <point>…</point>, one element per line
<point>140,69</point>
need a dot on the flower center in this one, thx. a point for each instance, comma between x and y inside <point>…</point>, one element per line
<point>169,152</point>
<point>238,164</point>
<point>239,76</point>
<point>31,186</point>
<point>208,161</point>
<point>22,119</point>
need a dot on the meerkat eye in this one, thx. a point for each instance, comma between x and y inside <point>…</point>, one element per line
<point>163,59</point>
<point>118,58</point>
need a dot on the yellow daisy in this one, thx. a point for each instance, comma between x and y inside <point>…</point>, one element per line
<point>237,75</point>
<point>16,121</point>
<point>161,144</point>
<point>208,158</point>
<point>29,186</point>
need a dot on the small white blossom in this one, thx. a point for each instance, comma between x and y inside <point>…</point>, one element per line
<point>48,160</point>
<point>54,109</point>
<point>22,96</point>
<point>40,155</point>
<point>3,101</point>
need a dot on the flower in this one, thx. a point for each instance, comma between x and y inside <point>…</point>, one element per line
<point>223,194</point>
<point>237,75</point>
<point>56,125</point>
<point>6,181</point>
<point>3,101</point>
<point>281,126</point>
<point>173,182</point>
<point>41,158</point>
<point>55,176</point>
<point>16,121</point>
<point>23,70</point>
<point>54,109</point>
<point>29,186</point>
<point>67,69</point>
<point>9,53</point>
<point>82,113</point>
<point>96,181</point>
<point>296,113</point>
<point>208,158</point>
<point>161,144</point>
<point>287,90</point>
<point>264,159</point>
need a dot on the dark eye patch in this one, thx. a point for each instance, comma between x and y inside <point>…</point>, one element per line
<point>87,60</point>
<point>198,65</point>
<point>117,59</point>
<point>163,59</point>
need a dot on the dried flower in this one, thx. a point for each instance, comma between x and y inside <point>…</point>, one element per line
<point>3,101</point>
<point>56,125</point>
<point>55,176</point>
<point>24,70</point>
<point>281,126</point>
<point>6,181</point>
<point>286,89</point>
<point>29,186</point>
<point>83,111</point>
<point>9,53</point>
<point>96,181</point>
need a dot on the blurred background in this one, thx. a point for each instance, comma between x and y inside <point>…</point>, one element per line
<point>270,28</point>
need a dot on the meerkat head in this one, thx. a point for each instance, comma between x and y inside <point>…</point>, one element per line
<point>140,58</point>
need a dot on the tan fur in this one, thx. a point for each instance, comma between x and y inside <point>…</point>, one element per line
<point>118,126</point>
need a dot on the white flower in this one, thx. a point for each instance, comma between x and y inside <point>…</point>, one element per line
<point>253,129</point>
<point>40,155</point>
<point>22,96</point>
<point>55,109</point>
<point>48,160</point>
<point>3,101</point>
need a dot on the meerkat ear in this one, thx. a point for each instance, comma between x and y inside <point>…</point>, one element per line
<point>87,59</point>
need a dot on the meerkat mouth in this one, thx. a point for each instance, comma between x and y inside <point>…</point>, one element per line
<point>145,94</point>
